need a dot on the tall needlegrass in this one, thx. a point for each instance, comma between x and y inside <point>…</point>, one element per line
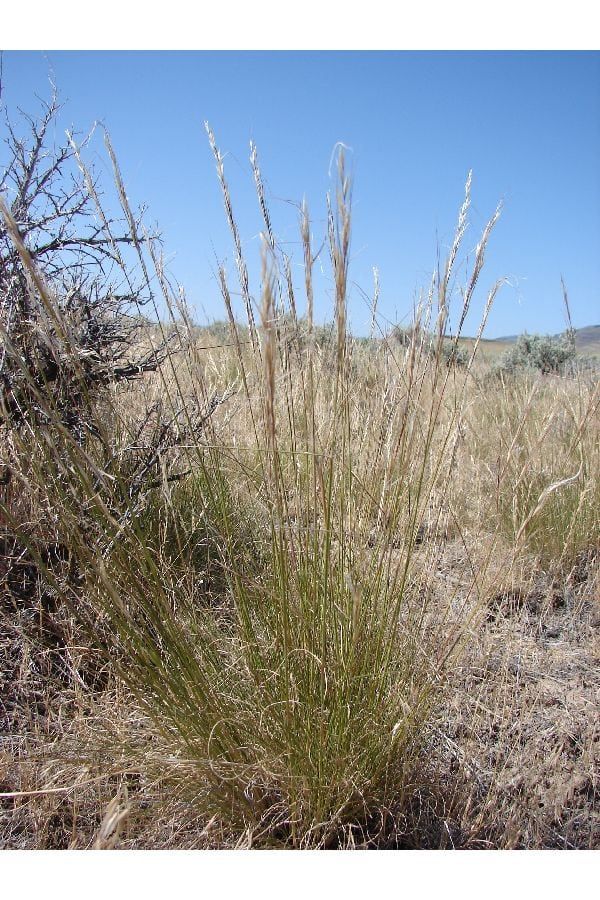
<point>266,597</point>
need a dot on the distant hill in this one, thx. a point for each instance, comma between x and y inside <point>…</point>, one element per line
<point>587,339</point>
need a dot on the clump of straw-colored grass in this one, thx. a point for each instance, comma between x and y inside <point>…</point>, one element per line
<point>292,697</point>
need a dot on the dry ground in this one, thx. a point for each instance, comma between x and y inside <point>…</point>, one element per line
<point>517,737</point>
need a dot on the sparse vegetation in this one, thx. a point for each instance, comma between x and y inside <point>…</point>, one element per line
<point>267,582</point>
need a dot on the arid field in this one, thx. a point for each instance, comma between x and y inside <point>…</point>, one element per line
<point>268,584</point>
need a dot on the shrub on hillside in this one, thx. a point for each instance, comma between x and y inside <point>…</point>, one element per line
<point>542,353</point>
<point>455,355</point>
<point>452,353</point>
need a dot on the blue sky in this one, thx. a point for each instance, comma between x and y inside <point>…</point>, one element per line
<point>527,123</point>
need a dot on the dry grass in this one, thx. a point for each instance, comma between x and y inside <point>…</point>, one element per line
<point>357,607</point>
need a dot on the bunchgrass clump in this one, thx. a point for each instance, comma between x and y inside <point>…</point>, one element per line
<point>257,577</point>
<point>253,527</point>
